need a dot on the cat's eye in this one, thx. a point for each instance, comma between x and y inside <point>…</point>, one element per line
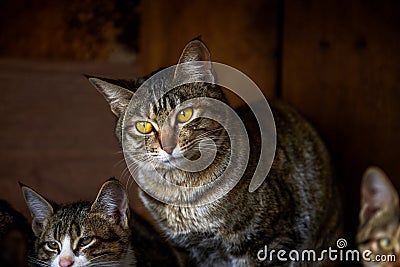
<point>52,245</point>
<point>385,243</point>
<point>84,241</point>
<point>184,115</point>
<point>144,127</point>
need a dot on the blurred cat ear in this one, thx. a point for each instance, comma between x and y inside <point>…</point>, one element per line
<point>117,96</point>
<point>39,208</point>
<point>197,53</point>
<point>377,194</point>
<point>112,200</point>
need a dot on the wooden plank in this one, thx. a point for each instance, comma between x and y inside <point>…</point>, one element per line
<point>57,131</point>
<point>341,70</point>
<point>238,33</point>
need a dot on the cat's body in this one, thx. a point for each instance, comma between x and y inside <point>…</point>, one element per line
<point>283,213</point>
<point>82,233</point>
<point>15,237</point>
<point>151,249</point>
<point>295,208</point>
<point>379,228</point>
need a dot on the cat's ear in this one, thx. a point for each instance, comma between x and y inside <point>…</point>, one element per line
<point>39,207</point>
<point>195,50</point>
<point>112,200</point>
<point>117,96</point>
<point>377,194</point>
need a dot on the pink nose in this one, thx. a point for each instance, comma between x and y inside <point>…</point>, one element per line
<point>66,262</point>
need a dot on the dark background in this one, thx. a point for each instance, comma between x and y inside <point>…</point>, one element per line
<point>337,62</point>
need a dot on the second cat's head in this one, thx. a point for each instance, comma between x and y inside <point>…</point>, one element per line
<point>82,233</point>
<point>379,228</point>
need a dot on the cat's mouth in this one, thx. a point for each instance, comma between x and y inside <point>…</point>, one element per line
<point>176,158</point>
<point>165,157</point>
<point>169,159</point>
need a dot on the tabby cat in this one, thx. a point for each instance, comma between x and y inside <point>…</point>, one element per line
<point>295,208</point>
<point>15,237</point>
<point>82,233</point>
<point>379,229</point>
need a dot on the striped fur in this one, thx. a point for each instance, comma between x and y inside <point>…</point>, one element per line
<point>62,230</point>
<point>295,208</point>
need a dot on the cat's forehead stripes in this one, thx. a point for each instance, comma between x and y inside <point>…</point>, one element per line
<point>64,229</point>
<point>68,220</point>
<point>165,104</point>
<point>75,229</point>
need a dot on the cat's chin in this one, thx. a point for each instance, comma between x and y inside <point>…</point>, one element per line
<point>158,163</point>
<point>169,162</point>
<point>164,163</point>
<point>174,161</point>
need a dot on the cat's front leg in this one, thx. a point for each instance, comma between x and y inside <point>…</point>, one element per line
<point>241,261</point>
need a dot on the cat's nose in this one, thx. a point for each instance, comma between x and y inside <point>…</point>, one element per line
<point>169,149</point>
<point>168,140</point>
<point>66,262</point>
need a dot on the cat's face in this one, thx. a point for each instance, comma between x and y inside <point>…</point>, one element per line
<point>165,128</point>
<point>379,229</point>
<point>81,234</point>
<point>74,236</point>
<point>167,132</point>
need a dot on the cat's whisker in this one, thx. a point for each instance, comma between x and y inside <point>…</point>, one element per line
<point>137,155</point>
<point>129,183</point>
<point>119,162</point>
<point>125,173</point>
<point>209,132</point>
<point>142,158</point>
<point>224,138</point>
<point>97,260</point>
<point>104,263</point>
<point>219,139</point>
<point>198,147</point>
<point>119,152</point>
<point>206,149</point>
<point>128,170</point>
<point>36,261</point>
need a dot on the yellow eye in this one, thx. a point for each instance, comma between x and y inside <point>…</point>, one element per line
<point>52,245</point>
<point>85,241</point>
<point>144,127</point>
<point>184,115</point>
<point>385,243</point>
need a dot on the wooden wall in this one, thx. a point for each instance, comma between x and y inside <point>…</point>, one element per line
<point>238,33</point>
<point>336,61</point>
<point>57,131</point>
<point>341,69</point>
